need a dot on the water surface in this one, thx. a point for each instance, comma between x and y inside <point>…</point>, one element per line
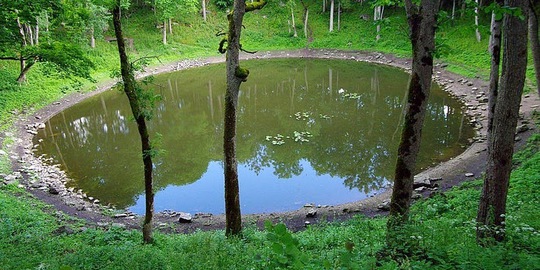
<point>309,131</point>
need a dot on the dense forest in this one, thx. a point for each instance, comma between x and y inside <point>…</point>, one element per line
<point>50,50</point>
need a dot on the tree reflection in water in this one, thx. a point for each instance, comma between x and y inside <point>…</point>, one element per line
<point>352,111</point>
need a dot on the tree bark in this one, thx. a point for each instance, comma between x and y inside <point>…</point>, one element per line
<point>235,76</point>
<point>492,207</point>
<point>24,69</point>
<point>232,193</point>
<point>535,41</point>
<point>422,23</point>
<point>130,89</point>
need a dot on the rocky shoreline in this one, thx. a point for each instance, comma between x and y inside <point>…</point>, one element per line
<point>48,182</point>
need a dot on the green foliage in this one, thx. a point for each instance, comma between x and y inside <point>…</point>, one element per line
<point>285,251</point>
<point>443,227</point>
<point>223,4</point>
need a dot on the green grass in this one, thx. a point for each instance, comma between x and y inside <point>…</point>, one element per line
<point>442,232</point>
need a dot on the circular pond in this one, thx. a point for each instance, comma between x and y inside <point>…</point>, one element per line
<point>309,131</point>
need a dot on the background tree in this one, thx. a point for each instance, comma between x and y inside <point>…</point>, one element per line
<point>422,20</point>
<point>166,10</point>
<point>331,27</point>
<point>235,76</point>
<point>535,39</point>
<point>292,4</point>
<point>20,39</point>
<point>140,102</point>
<point>504,115</point>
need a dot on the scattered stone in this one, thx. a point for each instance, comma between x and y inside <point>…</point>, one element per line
<point>81,208</point>
<point>416,196</point>
<point>102,224</point>
<point>384,206</point>
<point>33,132</point>
<point>307,223</point>
<point>53,191</point>
<point>203,215</point>
<point>40,126</point>
<point>517,139</point>
<point>469,174</point>
<point>118,225</point>
<point>63,230</point>
<point>3,153</point>
<point>420,189</point>
<point>123,215</point>
<point>522,128</point>
<point>311,213</point>
<point>184,217</point>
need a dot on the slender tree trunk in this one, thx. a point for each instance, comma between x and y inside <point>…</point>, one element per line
<point>36,34</point>
<point>24,69</point>
<point>203,2</point>
<point>92,38</point>
<point>331,16</point>
<point>323,6</point>
<point>170,26</point>
<point>377,17</point>
<point>134,102</point>
<point>164,32</point>
<point>535,41</point>
<point>339,16</point>
<point>293,24</point>
<point>422,23</point>
<point>453,11</point>
<point>477,31</point>
<point>492,208</point>
<point>306,16</point>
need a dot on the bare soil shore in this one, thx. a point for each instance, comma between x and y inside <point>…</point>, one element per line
<point>48,183</point>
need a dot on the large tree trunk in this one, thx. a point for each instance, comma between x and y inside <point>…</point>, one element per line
<point>235,76</point>
<point>535,41</point>
<point>492,208</point>
<point>331,28</point>
<point>138,112</point>
<point>232,194</point>
<point>422,23</point>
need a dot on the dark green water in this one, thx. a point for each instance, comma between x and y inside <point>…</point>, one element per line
<point>309,131</point>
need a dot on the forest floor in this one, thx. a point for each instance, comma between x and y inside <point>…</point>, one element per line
<point>467,166</point>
